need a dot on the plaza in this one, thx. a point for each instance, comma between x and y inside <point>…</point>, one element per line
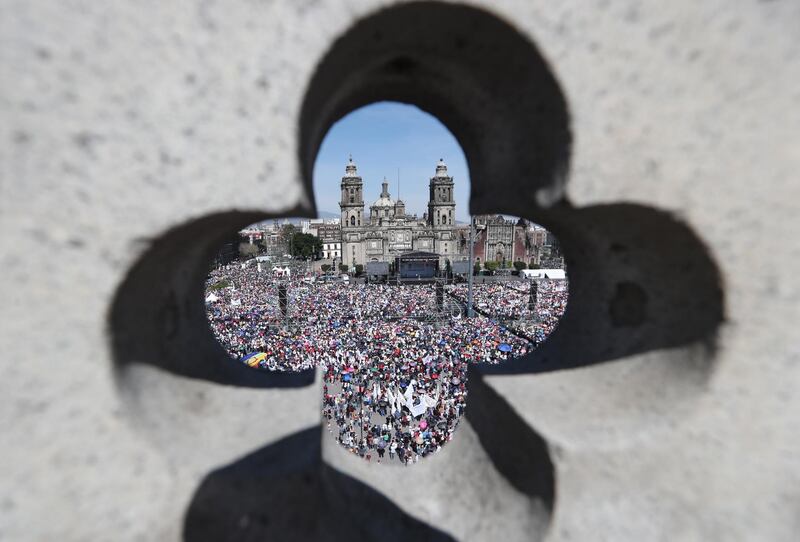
<point>393,357</point>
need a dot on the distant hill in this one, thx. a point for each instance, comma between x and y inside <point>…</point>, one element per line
<point>327,214</point>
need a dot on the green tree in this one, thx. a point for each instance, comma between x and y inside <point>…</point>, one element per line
<point>286,237</point>
<point>476,268</point>
<point>448,269</point>
<point>491,266</point>
<point>533,265</point>
<point>305,245</point>
<point>326,267</point>
<point>343,267</point>
<point>519,266</point>
<point>359,269</point>
<point>246,250</point>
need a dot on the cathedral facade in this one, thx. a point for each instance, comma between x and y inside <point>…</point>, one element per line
<point>389,231</point>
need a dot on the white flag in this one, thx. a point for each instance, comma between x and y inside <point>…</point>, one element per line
<point>409,394</point>
<point>418,410</point>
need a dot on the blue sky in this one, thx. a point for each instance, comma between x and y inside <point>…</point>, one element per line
<point>383,137</point>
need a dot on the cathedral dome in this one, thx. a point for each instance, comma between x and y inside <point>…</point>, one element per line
<point>383,201</point>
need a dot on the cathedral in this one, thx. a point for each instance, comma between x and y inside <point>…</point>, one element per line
<point>389,231</point>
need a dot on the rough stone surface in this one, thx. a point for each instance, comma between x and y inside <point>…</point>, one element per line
<point>660,141</point>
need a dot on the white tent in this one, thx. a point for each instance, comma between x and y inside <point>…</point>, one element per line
<point>556,274</point>
<point>211,298</point>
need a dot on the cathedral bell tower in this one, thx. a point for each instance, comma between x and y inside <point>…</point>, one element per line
<point>441,205</point>
<point>352,202</point>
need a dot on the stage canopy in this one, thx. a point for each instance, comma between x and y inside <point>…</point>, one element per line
<point>413,265</point>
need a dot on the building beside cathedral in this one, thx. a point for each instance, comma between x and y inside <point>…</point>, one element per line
<point>388,231</point>
<point>505,241</point>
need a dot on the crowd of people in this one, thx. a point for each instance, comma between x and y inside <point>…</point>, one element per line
<point>509,302</point>
<point>396,388</point>
<point>394,364</point>
<point>550,306</point>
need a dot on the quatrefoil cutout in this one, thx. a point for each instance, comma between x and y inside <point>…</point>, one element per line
<point>641,281</point>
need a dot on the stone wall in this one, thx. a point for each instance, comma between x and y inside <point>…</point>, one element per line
<point>659,140</point>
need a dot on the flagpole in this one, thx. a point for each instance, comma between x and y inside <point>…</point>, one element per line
<point>470,271</point>
<point>361,416</point>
